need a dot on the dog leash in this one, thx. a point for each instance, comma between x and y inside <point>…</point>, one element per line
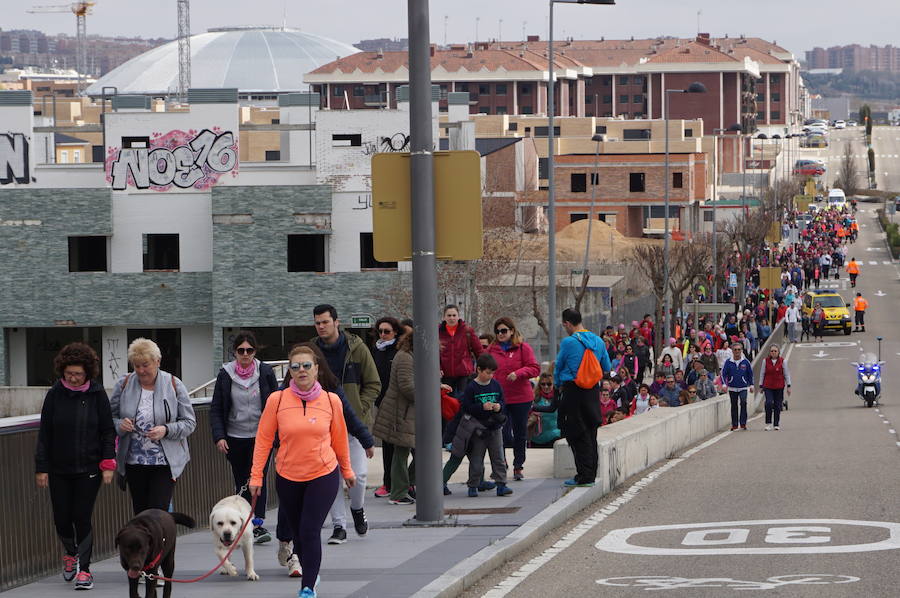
<point>234,544</point>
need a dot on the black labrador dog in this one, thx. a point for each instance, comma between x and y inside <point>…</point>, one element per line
<point>148,542</point>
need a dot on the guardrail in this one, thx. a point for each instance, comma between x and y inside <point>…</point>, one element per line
<point>205,390</point>
<point>29,548</point>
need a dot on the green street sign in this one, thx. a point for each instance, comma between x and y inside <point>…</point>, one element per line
<point>362,321</point>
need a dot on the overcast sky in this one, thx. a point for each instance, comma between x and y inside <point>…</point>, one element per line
<point>797,26</point>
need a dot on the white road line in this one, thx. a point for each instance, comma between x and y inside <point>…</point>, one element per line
<point>887,263</point>
<point>892,431</point>
<point>873,263</point>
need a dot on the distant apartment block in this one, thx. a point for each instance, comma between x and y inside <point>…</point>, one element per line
<point>855,57</point>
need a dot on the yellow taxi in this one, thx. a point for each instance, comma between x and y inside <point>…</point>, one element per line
<point>837,316</point>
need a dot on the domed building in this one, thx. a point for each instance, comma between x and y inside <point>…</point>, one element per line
<point>261,62</point>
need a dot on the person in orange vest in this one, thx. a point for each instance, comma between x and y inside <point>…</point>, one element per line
<point>854,230</point>
<point>853,270</point>
<point>860,305</point>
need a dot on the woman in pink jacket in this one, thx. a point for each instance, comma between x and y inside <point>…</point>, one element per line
<point>516,365</point>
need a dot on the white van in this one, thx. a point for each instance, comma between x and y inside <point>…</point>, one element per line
<point>837,199</point>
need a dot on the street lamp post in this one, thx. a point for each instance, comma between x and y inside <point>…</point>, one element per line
<point>735,128</point>
<point>551,191</point>
<point>695,87</point>
<point>759,179</point>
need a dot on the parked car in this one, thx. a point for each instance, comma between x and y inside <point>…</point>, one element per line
<point>852,123</point>
<point>839,124</point>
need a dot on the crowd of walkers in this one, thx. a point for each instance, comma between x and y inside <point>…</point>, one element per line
<point>341,396</point>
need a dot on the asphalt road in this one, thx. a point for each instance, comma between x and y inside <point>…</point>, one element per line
<point>811,510</point>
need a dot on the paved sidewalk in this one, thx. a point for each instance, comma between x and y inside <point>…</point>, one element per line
<point>391,561</point>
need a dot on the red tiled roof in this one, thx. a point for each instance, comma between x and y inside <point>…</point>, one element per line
<point>692,52</point>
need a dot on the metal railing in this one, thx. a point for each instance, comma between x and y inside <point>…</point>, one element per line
<point>29,548</point>
<point>205,390</point>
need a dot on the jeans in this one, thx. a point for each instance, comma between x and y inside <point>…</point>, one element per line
<point>306,505</point>
<point>73,501</point>
<point>515,431</point>
<point>240,456</point>
<point>774,403</point>
<point>738,396</point>
<point>360,464</point>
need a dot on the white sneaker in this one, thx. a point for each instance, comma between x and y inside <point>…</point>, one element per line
<point>294,566</point>
<point>777,427</point>
<point>284,553</point>
<point>769,427</point>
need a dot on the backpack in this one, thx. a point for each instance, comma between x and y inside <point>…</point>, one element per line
<point>589,370</point>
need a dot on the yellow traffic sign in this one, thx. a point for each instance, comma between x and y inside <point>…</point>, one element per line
<point>457,196</point>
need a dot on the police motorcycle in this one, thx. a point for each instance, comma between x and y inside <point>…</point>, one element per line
<point>868,377</point>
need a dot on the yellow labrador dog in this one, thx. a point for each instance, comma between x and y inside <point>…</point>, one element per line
<point>226,520</point>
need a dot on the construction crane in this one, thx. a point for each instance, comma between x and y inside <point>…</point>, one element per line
<point>184,49</point>
<point>80,9</point>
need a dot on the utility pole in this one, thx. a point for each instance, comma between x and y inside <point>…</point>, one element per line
<point>429,482</point>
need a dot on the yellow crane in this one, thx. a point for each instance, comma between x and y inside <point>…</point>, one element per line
<point>80,9</point>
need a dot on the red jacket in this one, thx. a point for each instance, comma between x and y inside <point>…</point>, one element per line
<point>458,352</point>
<point>521,360</point>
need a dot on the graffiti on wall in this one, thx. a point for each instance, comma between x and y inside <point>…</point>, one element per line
<point>398,142</point>
<point>112,345</point>
<point>14,163</point>
<point>186,159</point>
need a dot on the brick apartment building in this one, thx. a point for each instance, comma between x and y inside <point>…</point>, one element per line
<point>748,80</point>
<point>855,57</point>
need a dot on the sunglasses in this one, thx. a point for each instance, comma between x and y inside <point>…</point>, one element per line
<point>306,365</point>
<point>245,351</point>
<point>501,330</point>
<point>385,330</point>
<point>547,384</point>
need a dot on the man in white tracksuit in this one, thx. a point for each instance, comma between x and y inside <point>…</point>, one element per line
<point>792,320</point>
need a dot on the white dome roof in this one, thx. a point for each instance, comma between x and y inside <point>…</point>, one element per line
<point>271,60</point>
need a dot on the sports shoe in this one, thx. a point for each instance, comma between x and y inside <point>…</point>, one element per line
<point>84,580</point>
<point>411,491</point>
<point>518,475</point>
<point>359,521</point>
<point>744,427</point>
<point>768,427</point>
<point>338,536</point>
<point>403,500</point>
<point>294,566</point>
<point>473,492</point>
<point>447,490</point>
<point>382,491</point>
<point>70,567</point>
<point>261,535</point>
<point>306,593</point>
<point>485,486</point>
<point>573,483</point>
<point>777,427</point>
<point>733,428</point>
<point>284,553</point>
<point>503,490</point>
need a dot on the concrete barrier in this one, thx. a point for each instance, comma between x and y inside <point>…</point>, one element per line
<point>632,445</point>
<point>21,400</point>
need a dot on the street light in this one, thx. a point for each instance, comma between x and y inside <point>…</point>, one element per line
<point>552,316</point>
<point>695,87</point>
<point>759,185</point>
<point>735,128</point>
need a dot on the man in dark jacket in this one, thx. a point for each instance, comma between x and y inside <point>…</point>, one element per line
<point>351,362</point>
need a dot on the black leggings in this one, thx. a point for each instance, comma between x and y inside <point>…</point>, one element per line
<point>73,501</point>
<point>305,505</point>
<point>151,486</point>
<point>240,456</point>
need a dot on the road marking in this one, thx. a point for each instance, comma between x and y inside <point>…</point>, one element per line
<point>779,531</point>
<point>892,431</point>
<point>887,263</point>
<point>880,293</point>
<point>820,354</point>
<point>831,344</point>
<point>659,582</point>
<point>873,263</point>
<point>573,535</point>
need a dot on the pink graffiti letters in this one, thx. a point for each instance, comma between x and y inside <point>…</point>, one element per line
<point>185,159</point>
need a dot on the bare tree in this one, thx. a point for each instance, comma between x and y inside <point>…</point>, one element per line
<point>688,266</point>
<point>535,310</point>
<point>746,236</point>
<point>847,175</point>
<point>649,261</point>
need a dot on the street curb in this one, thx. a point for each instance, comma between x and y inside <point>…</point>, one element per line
<point>465,574</point>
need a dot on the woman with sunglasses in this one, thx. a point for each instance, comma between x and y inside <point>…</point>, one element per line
<point>383,352</point>
<point>313,456</point>
<point>543,421</point>
<point>239,398</point>
<point>516,365</point>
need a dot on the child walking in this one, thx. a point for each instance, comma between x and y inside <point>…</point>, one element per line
<point>482,400</point>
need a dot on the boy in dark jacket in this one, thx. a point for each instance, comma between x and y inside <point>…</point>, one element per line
<point>482,400</point>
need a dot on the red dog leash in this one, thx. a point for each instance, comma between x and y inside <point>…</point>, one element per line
<point>214,569</point>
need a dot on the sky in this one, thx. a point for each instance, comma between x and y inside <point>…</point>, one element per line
<point>797,26</point>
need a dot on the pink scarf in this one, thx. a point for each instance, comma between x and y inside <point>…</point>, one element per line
<point>244,372</point>
<point>307,395</point>
<point>81,388</point>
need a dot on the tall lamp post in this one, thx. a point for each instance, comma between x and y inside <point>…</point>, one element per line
<point>695,87</point>
<point>735,128</point>
<point>759,180</point>
<point>552,316</point>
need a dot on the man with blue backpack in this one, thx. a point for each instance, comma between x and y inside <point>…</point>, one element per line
<point>580,364</point>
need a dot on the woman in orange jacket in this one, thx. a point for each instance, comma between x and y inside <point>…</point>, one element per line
<point>312,457</point>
